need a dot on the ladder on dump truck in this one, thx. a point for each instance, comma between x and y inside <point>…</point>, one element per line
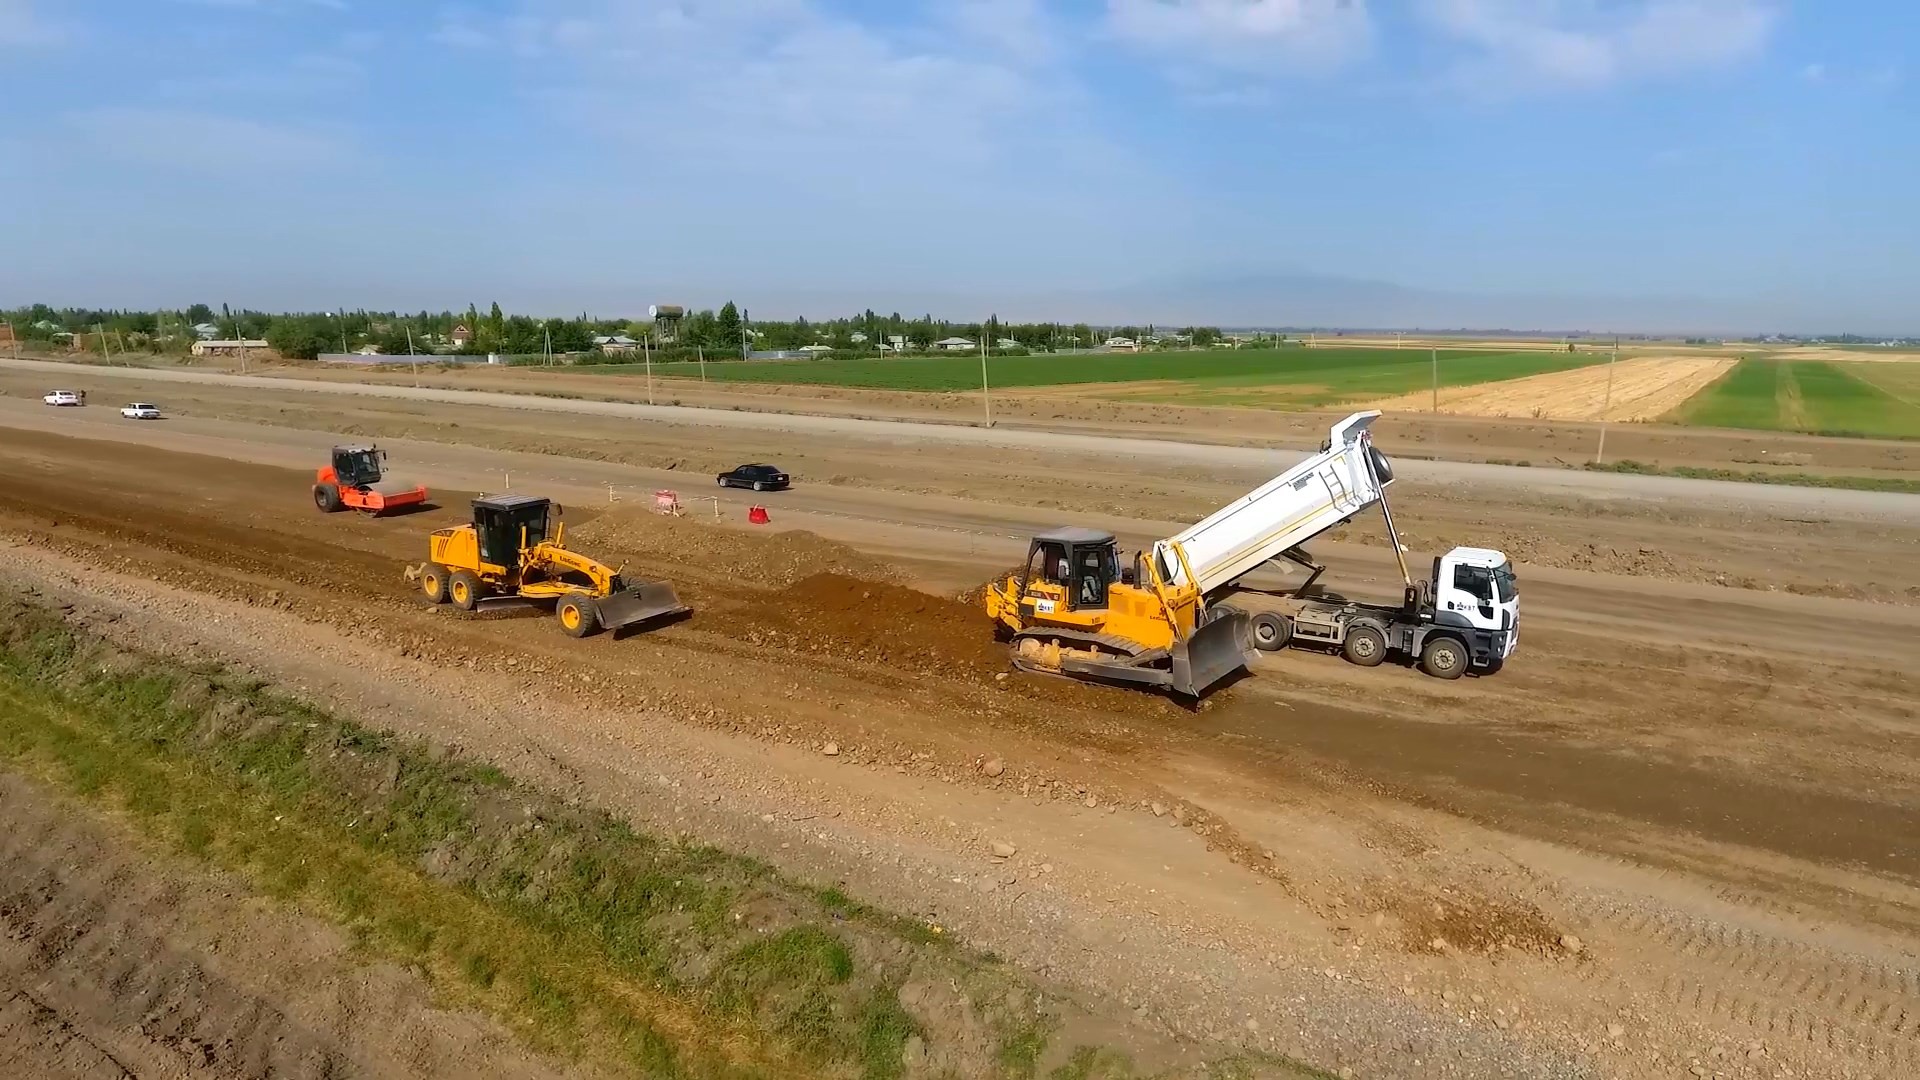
<point>1318,494</point>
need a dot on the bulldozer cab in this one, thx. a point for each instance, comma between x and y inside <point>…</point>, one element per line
<point>504,525</point>
<point>357,466</point>
<point>1071,567</point>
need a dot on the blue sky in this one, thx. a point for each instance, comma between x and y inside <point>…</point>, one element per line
<point>1720,163</point>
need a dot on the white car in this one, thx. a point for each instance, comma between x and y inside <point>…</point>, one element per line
<point>61,397</point>
<point>140,410</point>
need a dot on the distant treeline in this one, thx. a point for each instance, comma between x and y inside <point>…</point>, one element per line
<point>727,333</point>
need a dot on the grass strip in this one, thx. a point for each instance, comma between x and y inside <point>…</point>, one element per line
<point>588,938</point>
<point>1892,484</point>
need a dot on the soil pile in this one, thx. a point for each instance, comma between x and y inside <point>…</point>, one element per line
<point>976,595</point>
<point>774,560</point>
<point>879,623</point>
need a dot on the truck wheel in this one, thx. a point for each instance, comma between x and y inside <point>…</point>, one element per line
<point>464,589</point>
<point>1271,631</point>
<point>1216,612</point>
<point>1365,645</point>
<point>433,583</point>
<point>578,616</point>
<point>1444,658</point>
<point>326,497</point>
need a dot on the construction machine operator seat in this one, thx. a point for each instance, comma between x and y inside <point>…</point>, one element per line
<point>1081,560</point>
<point>356,466</point>
<point>502,524</point>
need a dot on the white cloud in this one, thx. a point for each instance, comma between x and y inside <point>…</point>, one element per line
<point>868,139</point>
<point>1018,29</point>
<point>267,5</point>
<point>21,27</point>
<point>307,77</point>
<point>768,77</point>
<point>1521,44</point>
<point>1261,36</point>
<point>1814,73</point>
<point>201,142</point>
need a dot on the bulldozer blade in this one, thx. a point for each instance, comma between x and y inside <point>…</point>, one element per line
<point>1214,652</point>
<point>638,604</point>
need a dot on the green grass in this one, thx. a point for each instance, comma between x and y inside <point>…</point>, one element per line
<point>1318,375</point>
<point>1814,397</point>
<point>587,937</point>
<point>1894,484</point>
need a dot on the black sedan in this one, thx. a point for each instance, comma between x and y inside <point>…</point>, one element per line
<point>757,477</point>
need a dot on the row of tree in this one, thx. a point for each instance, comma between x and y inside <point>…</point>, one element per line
<point>726,333</point>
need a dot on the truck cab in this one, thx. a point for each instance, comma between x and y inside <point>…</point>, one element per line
<point>1465,617</point>
<point>1474,589</point>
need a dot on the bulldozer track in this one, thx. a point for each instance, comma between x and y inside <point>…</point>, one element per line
<point>1770,983</point>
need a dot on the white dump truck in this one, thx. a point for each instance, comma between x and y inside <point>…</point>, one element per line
<point>1465,616</point>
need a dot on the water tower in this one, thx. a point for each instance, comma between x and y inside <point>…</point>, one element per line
<point>666,321</point>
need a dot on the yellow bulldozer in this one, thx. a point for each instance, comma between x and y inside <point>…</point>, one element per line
<point>515,554</point>
<point>1074,611</point>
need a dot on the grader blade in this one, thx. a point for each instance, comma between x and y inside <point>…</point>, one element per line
<point>639,603</point>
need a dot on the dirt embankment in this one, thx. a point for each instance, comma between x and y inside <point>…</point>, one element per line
<point>768,559</point>
<point>115,964</point>
<point>877,623</point>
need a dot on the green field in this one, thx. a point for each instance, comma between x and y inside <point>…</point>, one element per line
<point>1872,399</point>
<point>1296,376</point>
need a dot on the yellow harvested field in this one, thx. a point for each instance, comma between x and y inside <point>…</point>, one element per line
<point>1848,356</point>
<point>1643,389</point>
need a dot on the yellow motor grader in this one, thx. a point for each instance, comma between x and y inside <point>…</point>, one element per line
<point>515,554</point>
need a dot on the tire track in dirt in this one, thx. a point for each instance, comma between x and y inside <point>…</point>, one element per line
<point>1778,988</point>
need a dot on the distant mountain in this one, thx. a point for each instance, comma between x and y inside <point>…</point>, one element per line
<point>1316,300</point>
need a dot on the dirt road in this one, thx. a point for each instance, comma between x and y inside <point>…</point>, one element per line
<point>1147,454</point>
<point>1704,785</point>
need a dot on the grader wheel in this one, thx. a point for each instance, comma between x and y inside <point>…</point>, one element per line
<point>433,583</point>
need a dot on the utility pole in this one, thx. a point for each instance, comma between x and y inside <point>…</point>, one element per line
<point>1600,454</point>
<point>986,397</point>
<point>1436,379</point>
<point>413,357</point>
<point>547,332</point>
<point>343,332</point>
<point>646,352</point>
<point>701,352</point>
<point>743,335</point>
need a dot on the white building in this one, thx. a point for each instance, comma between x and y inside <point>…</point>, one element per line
<point>1121,344</point>
<point>229,348</point>
<point>616,343</point>
<point>954,344</point>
